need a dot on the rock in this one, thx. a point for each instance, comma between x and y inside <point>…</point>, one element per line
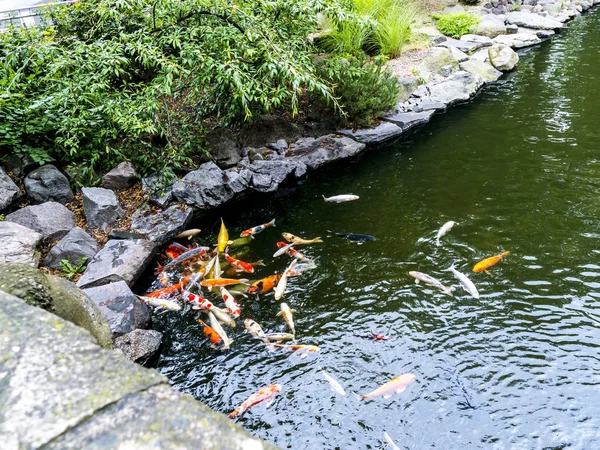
<point>74,246</point>
<point>280,146</point>
<point>266,176</point>
<point>51,219</point>
<point>159,194</point>
<point>237,180</point>
<point>453,9</point>
<point>9,191</point>
<point>47,184</point>
<point>161,226</point>
<point>55,377</point>
<point>484,40</point>
<point>482,69</point>
<point>491,26</point>
<point>57,296</point>
<point>458,55</point>
<point>18,244</point>
<point>221,144</point>
<point>463,46</point>
<point>121,177</point>
<point>119,260</point>
<point>316,152</point>
<point>459,87</point>
<point>204,188</point>
<point>407,85</point>
<point>426,104</point>
<point>438,57</point>
<point>502,57</point>
<point>124,311</point>
<point>518,40</point>
<point>139,345</point>
<point>101,206</point>
<point>530,20</point>
<point>552,8</point>
<point>384,132</point>
<point>446,71</point>
<point>256,154</point>
<point>542,34</point>
<point>408,120</point>
<point>430,32</point>
<point>119,234</point>
<point>512,29</point>
<point>268,128</point>
<point>18,164</point>
<point>481,55</point>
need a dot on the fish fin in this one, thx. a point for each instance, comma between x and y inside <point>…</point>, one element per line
<point>317,240</point>
<point>251,236</point>
<point>387,396</point>
<point>358,397</point>
<point>417,281</point>
<point>272,223</point>
<point>278,314</point>
<point>196,307</point>
<point>486,271</point>
<point>293,310</point>
<point>402,389</point>
<point>269,403</point>
<point>303,355</point>
<point>324,197</point>
<point>437,242</point>
<point>260,263</point>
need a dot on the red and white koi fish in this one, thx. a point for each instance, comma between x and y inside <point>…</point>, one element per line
<point>255,230</point>
<point>185,257</point>
<point>294,253</point>
<point>197,301</point>
<point>230,303</point>
<point>395,385</point>
<point>160,303</point>
<point>283,249</point>
<point>239,265</point>
<point>263,394</point>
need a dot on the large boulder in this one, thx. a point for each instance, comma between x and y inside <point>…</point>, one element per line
<point>373,136</point>
<point>459,87</point>
<point>76,245</point>
<point>221,144</point>
<point>204,188</point>
<point>57,296</point>
<point>9,191</point>
<point>161,226</point>
<point>159,193</point>
<point>47,184</point>
<point>139,345</point>
<point>483,70</point>
<point>316,152</point>
<point>438,57</point>
<point>51,219</point>
<point>101,207</point>
<point>121,177</point>
<point>531,20</point>
<point>18,164</point>
<point>124,311</point>
<point>518,40</point>
<point>18,244</point>
<point>119,260</point>
<point>266,176</point>
<point>491,26</point>
<point>503,57</point>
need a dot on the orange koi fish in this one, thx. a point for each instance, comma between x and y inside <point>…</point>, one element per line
<point>217,282</point>
<point>230,303</point>
<point>264,285</point>
<point>197,301</point>
<point>263,394</point>
<point>485,264</point>
<point>211,334</point>
<point>239,265</point>
<point>169,289</point>
<point>398,384</point>
<point>255,230</point>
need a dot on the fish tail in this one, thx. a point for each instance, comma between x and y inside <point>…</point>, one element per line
<point>317,240</point>
<point>324,198</point>
<point>272,223</point>
<point>233,414</point>
<point>451,267</point>
<point>506,253</point>
<point>437,241</point>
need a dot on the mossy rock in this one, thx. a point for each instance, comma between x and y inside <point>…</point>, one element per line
<point>27,283</point>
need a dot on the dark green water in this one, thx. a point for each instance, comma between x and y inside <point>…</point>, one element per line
<point>519,170</point>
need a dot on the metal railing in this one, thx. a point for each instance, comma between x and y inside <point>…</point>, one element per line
<point>27,16</point>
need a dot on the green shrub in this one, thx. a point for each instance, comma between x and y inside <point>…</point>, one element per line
<point>363,88</point>
<point>393,29</point>
<point>455,25</point>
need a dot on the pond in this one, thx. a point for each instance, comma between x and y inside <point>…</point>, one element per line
<point>518,169</point>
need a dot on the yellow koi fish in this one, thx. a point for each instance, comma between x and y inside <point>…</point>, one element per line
<point>397,384</point>
<point>485,264</point>
<point>298,240</point>
<point>286,312</point>
<point>223,237</point>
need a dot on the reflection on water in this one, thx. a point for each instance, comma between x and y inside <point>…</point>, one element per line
<point>517,369</point>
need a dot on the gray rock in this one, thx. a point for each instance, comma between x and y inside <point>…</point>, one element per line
<point>9,191</point>
<point>18,164</point>
<point>316,152</point>
<point>384,132</point>
<point>426,104</point>
<point>124,311</point>
<point>280,146</point>
<point>47,184</point>
<point>408,120</point>
<point>119,260</point>
<point>139,345</point>
<point>518,40</point>
<point>256,154</point>
<point>446,71</point>
<point>491,26</point>
<point>74,246</point>
<point>430,32</point>
<point>55,377</point>
<point>221,144</point>
<point>204,188</point>
<point>481,55</point>
<point>530,20</point>
<point>459,87</point>
<point>407,85</point>
<point>453,9</point>
<point>422,91</point>
<point>438,57</point>
<point>161,226</point>
<point>458,55</point>
<point>121,177</point>
<point>18,244</point>
<point>552,8</point>
<point>484,70</point>
<point>51,219</point>
<point>463,46</point>
<point>158,193</point>
<point>512,29</point>
<point>502,57</point>
<point>484,40</point>
<point>237,180</point>
<point>266,176</point>
<point>57,296</point>
<point>101,207</point>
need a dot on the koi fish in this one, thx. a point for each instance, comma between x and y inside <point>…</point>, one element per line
<point>337,387</point>
<point>239,265</point>
<point>217,267</point>
<point>214,337</point>
<point>341,198</point>
<point>255,230</point>
<point>222,238</point>
<point>214,323</point>
<point>164,278</point>
<point>485,264</point>
<point>298,240</point>
<point>188,233</point>
<point>443,231</point>
<point>303,349</point>
<point>254,329</point>
<point>282,285</point>
<point>282,249</point>
<point>185,257</point>
<point>299,269</point>
<point>355,237</point>
<point>176,247</point>
<point>278,337</point>
<point>427,279</point>
<point>169,289</point>
<point>239,242</point>
<point>160,303</point>
<point>374,336</point>
<point>396,385</point>
<point>217,282</point>
<point>286,313</point>
<point>197,301</point>
<point>294,253</point>
<point>266,393</point>
<point>223,316</point>
<point>466,284</point>
<point>264,285</point>
<point>232,305</point>
<point>388,439</point>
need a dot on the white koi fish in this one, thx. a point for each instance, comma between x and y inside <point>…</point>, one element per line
<point>335,386</point>
<point>215,325</point>
<point>282,284</point>
<point>341,198</point>
<point>443,231</point>
<point>282,250</point>
<point>427,279</point>
<point>286,312</point>
<point>388,439</point>
<point>160,303</point>
<point>464,281</point>
<point>188,233</point>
